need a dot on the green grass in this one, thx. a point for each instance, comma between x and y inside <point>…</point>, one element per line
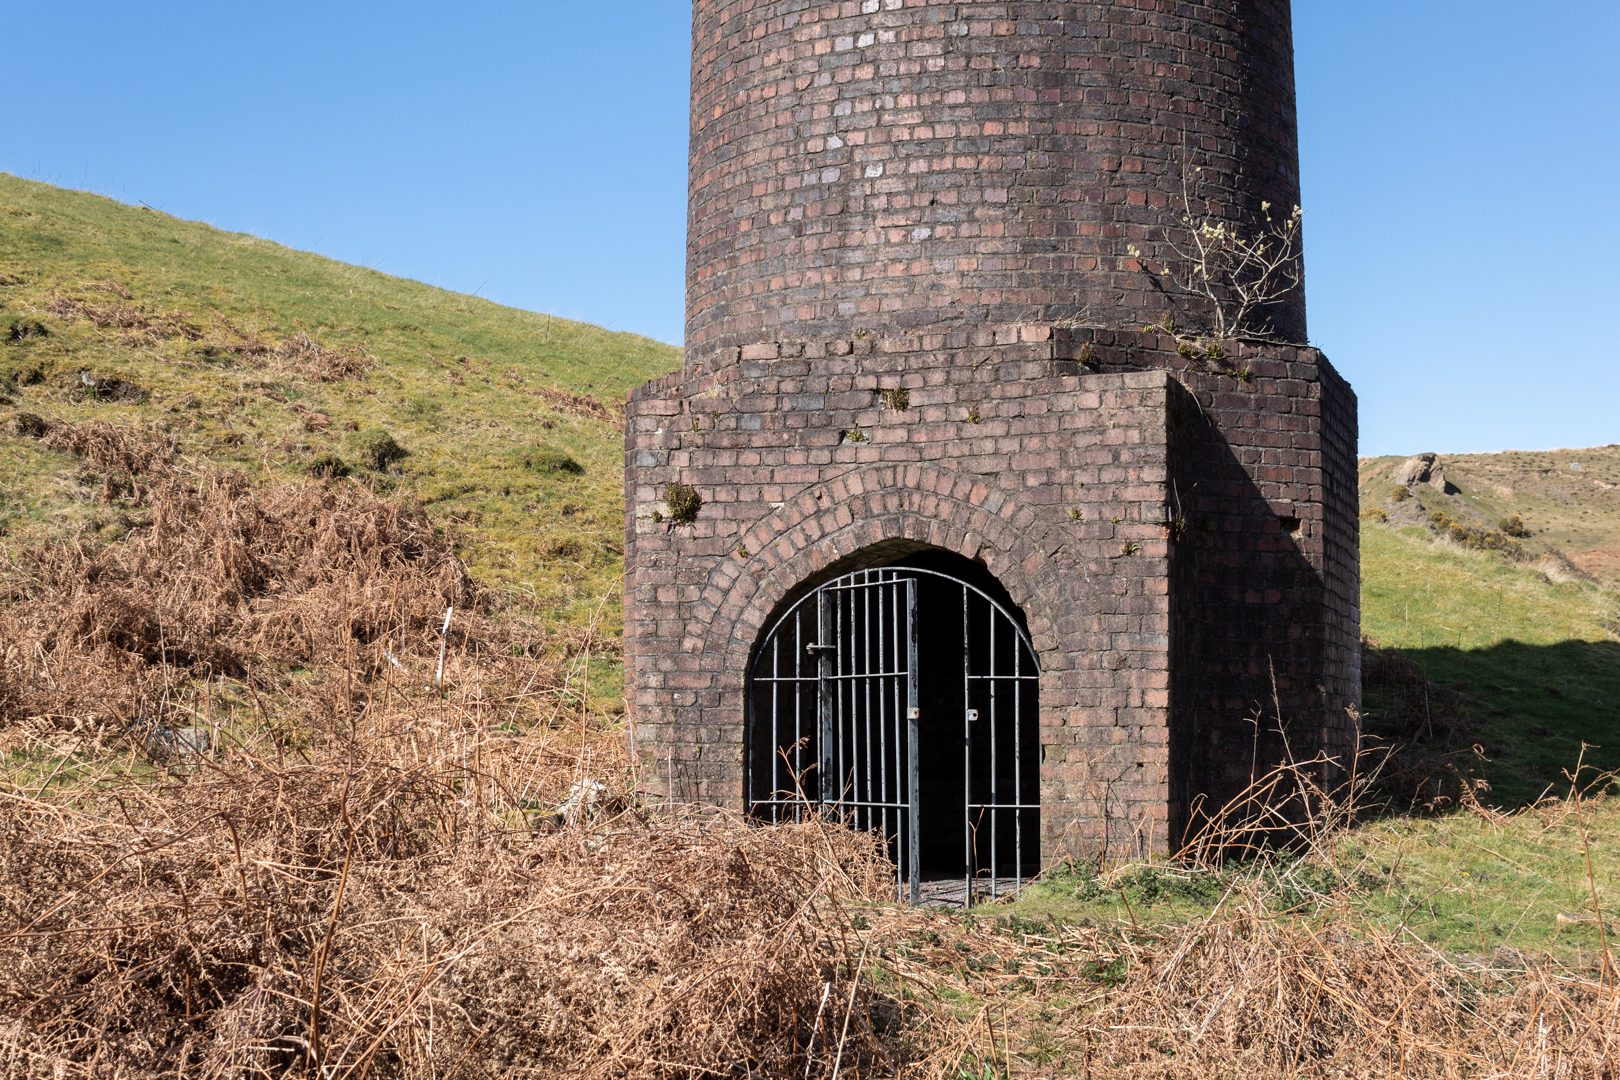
<point>1460,883</point>
<point>460,384</point>
<point>1535,656</point>
<point>1466,883</point>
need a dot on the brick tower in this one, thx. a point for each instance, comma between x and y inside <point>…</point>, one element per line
<point>915,341</point>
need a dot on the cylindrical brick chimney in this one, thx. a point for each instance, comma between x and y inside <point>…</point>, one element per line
<point>890,165</point>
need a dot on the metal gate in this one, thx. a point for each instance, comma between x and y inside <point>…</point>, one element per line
<point>866,706</point>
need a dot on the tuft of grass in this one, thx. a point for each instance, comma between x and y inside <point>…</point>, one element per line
<point>326,466</point>
<point>545,459</point>
<point>683,502</point>
<point>376,448</point>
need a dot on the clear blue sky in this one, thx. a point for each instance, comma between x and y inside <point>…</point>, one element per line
<point>1460,162</point>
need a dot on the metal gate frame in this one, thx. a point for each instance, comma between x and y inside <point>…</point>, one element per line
<point>860,663</point>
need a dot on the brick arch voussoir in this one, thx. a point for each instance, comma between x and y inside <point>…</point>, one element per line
<point>864,507</point>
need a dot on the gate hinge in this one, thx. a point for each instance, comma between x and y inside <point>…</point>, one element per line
<point>812,649</point>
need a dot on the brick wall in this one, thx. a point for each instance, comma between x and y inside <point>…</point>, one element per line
<point>915,165</point>
<point>1208,557</point>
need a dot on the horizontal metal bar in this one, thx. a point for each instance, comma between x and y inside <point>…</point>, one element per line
<point>857,586</point>
<point>833,805</point>
<point>837,678</point>
<point>1002,806</point>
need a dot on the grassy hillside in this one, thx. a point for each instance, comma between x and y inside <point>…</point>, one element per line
<point>1530,643</point>
<point>261,359</point>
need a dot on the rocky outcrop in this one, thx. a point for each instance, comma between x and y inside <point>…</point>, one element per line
<point>1423,469</point>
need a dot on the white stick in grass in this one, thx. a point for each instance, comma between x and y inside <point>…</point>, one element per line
<point>444,639</point>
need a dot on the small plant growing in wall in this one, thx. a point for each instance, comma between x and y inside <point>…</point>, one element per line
<point>973,416</point>
<point>1131,548</point>
<point>853,435</point>
<point>1076,514</point>
<point>683,502</point>
<point>1240,273</point>
<point>1088,354</point>
<point>897,398</point>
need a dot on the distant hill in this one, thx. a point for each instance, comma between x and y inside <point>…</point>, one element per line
<point>253,357</point>
<point>1567,500</point>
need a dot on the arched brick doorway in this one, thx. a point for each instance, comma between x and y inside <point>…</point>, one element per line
<point>904,699</point>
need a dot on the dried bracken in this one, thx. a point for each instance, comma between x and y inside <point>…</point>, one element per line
<point>567,401</point>
<point>377,906</point>
<point>278,830</point>
<point>305,356</point>
<point>111,448</point>
<point>220,578</point>
<point>138,326</point>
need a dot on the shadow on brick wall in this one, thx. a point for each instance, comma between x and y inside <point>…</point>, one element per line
<point>1248,674</point>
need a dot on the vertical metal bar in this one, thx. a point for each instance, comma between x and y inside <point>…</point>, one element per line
<point>891,740</point>
<point>893,791</point>
<point>771,762</point>
<point>866,699</point>
<point>995,749</point>
<point>914,799</point>
<point>846,603</point>
<point>1018,763</point>
<point>797,759</point>
<point>967,756</point>
<point>880,784</point>
<point>826,767</point>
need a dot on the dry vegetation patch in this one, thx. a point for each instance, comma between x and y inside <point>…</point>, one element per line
<point>220,578</point>
<point>138,326</point>
<point>248,829</point>
<point>377,907</point>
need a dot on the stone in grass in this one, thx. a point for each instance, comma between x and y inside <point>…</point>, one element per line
<point>179,744</point>
<point>376,449</point>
